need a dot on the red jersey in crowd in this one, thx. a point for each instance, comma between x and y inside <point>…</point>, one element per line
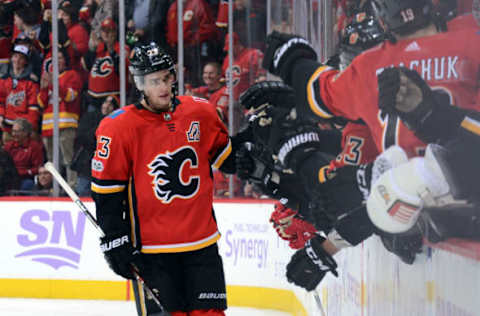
<point>165,164</point>
<point>27,157</point>
<point>18,99</point>
<point>104,79</point>
<point>198,23</point>
<point>204,92</point>
<point>447,61</point>
<point>70,86</point>
<point>246,69</point>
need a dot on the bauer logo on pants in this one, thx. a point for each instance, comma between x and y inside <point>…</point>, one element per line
<point>52,238</point>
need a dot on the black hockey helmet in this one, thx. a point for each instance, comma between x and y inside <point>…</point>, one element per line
<point>363,33</point>
<point>147,59</point>
<point>404,16</point>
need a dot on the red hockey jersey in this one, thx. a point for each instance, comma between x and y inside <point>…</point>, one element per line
<point>247,68</point>
<point>167,160</point>
<point>104,80</point>
<point>19,100</point>
<point>198,23</point>
<point>70,86</point>
<point>358,146</point>
<point>447,61</point>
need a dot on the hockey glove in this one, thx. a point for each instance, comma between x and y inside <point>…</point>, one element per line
<point>290,227</point>
<point>275,93</point>
<point>406,247</point>
<point>120,254</point>
<point>282,51</point>
<point>428,113</point>
<point>308,266</point>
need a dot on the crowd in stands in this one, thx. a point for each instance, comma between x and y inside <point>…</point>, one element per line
<point>89,80</point>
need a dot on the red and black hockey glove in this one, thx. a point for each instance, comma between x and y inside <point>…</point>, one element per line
<point>282,51</point>
<point>290,227</point>
<point>119,254</point>
<point>308,266</point>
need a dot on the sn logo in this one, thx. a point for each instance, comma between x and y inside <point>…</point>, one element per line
<point>54,239</point>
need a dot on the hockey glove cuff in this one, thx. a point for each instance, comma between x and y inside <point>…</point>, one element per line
<point>119,254</point>
<point>282,51</point>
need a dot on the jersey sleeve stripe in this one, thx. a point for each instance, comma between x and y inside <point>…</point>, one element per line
<point>471,125</point>
<point>322,174</point>
<point>106,189</point>
<point>223,155</point>
<point>313,94</point>
<point>190,246</point>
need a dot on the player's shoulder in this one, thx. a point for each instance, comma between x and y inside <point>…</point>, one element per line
<point>465,23</point>
<point>118,120</point>
<point>195,106</point>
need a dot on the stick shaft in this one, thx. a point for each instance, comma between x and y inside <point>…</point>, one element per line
<point>58,177</point>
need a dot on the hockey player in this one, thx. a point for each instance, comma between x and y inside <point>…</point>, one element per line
<point>321,93</point>
<point>152,187</point>
<point>357,146</point>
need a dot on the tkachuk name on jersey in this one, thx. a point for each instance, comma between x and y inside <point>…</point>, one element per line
<point>296,141</point>
<point>212,296</point>
<point>437,68</point>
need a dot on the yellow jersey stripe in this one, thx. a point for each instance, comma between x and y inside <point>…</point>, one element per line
<point>471,125</point>
<point>106,189</point>
<point>322,174</point>
<point>60,115</point>
<point>311,94</point>
<point>225,153</point>
<point>200,244</point>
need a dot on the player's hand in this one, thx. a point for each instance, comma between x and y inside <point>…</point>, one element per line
<point>308,266</point>
<point>119,254</point>
<point>290,227</point>
<point>244,162</point>
<point>281,52</point>
<point>275,93</point>
<point>403,92</point>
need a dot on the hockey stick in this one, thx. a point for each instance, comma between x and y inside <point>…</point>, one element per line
<point>51,168</point>
<point>319,302</point>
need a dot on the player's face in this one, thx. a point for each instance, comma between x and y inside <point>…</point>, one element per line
<point>158,89</point>
<point>210,75</point>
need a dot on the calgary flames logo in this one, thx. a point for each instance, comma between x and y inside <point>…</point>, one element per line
<point>102,67</point>
<point>167,172</point>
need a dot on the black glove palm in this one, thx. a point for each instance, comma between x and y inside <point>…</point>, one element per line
<point>308,266</point>
<point>119,253</point>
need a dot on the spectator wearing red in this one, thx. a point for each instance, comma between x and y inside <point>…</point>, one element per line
<point>27,154</point>
<point>6,28</point>
<point>247,65</point>
<point>199,35</point>
<point>18,90</point>
<point>212,77</point>
<point>77,34</point>
<point>103,63</point>
<point>249,16</point>
<point>70,86</point>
